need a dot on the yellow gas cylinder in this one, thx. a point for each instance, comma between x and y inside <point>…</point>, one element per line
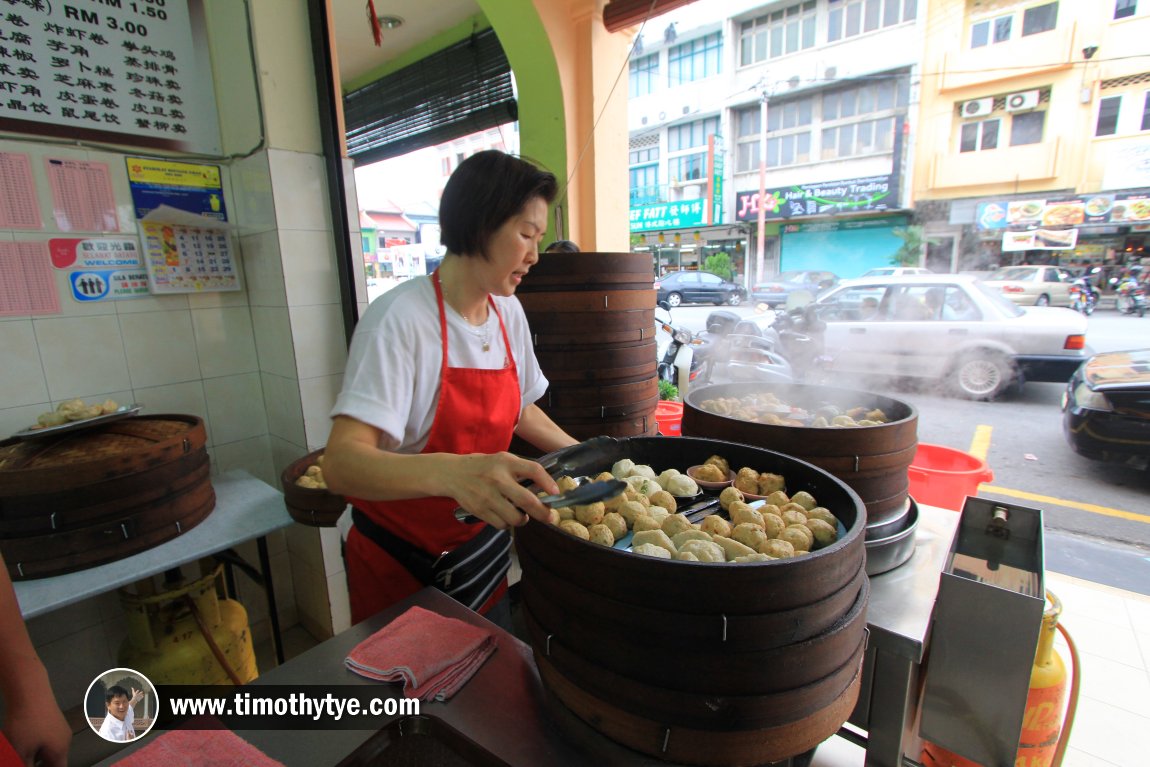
<point>1043,719</point>
<point>1042,722</point>
<point>188,635</point>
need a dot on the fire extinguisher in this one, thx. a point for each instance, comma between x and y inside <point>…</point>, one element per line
<point>1044,734</point>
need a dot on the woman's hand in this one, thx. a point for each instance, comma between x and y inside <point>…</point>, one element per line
<point>488,487</point>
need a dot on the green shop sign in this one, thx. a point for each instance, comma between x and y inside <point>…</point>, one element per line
<point>667,215</point>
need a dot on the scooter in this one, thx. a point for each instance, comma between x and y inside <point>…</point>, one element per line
<point>1131,297</point>
<point>787,348</point>
<point>1083,296</point>
<point>683,357</point>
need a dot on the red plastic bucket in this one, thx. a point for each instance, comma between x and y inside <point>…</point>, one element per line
<point>940,476</point>
<point>669,417</point>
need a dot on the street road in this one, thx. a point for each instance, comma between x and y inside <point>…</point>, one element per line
<point>1100,505</point>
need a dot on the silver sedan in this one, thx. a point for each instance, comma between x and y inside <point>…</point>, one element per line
<point>948,328</point>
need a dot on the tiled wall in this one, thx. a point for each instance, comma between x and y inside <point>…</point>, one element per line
<point>261,366</point>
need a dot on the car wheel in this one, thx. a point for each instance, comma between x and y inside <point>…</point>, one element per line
<point>1043,300</point>
<point>735,299</point>
<point>981,376</point>
<point>674,299</point>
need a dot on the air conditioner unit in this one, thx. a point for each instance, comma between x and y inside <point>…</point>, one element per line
<point>977,107</point>
<point>1016,102</point>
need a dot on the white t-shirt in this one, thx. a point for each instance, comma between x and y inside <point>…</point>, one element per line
<point>115,729</point>
<point>393,367</point>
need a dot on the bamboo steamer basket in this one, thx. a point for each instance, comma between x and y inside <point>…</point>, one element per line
<point>592,320</point>
<point>710,664</point>
<point>310,506</point>
<point>872,460</point>
<point>86,497</point>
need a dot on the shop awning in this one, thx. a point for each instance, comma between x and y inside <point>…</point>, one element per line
<point>620,14</point>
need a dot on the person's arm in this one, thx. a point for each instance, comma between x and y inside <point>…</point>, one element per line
<point>536,427</point>
<point>33,723</point>
<point>486,485</point>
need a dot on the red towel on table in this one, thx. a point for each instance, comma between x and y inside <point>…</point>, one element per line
<point>203,748</point>
<point>432,655</point>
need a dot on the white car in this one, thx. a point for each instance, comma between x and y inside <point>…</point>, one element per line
<point>948,328</point>
<point>1031,285</point>
<point>896,271</point>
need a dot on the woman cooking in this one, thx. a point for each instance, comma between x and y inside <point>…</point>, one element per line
<point>440,374</point>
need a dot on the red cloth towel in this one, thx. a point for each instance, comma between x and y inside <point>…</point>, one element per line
<point>203,748</point>
<point>431,654</point>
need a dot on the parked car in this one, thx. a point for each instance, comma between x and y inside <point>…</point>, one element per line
<point>1031,285</point>
<point>776,290</point>
<point>1106,406</point>
<point>896,271</point>
<point>947,328</point>
<point>698,288</point>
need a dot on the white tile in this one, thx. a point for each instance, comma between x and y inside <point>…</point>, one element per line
<point>309,267</point>
<point>318,395</point>
<point>186,398</point>
<point>1126,686</point>
<point>1138,608</point>
<point>82,355</point>
<point>225,341</point>
<point>331,545</point>
<point>161,348</point>
<point>81,616</point>
<point>235,408</point>
<point>1104,639</point>
<point>24,382</point>
<point>283,453</point>
<point>252,198</point>
<point>283,582</point>
<point>1082,599</point>
<point>339,601</point>
<point>73,662</point>
<point>1109,733</point>
<point>274,341</point>
<point>1075,758</point>
<point>321,347</point>
<point>71,307</point>
<point>263,269</point>
<point>299,184</point>
<point>351,194</point>
<point>160,303</point>
<point>252,455</point>
<point>303,543</point>
<point>282,403</point>
<point>219,298</point>
<point>311,597</point>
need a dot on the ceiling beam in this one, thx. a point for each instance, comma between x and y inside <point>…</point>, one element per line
<point>620,14</point>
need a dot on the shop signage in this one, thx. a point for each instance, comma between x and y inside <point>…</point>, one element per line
<point>108,284</point>
<point>717,180</point>
<point>122,72</point>
<point>187,186</point>
<point>1040,239</point>
<point>1127,167</point>
<point>853,195</point>
<point>1063,211</point>
<point>668,215</point>
<point>93,253</point>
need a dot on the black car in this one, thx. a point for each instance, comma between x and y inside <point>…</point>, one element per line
<point>698,288</point>
<point>1106,406</point>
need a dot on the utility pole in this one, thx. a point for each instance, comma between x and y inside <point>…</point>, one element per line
<point>764,97</point>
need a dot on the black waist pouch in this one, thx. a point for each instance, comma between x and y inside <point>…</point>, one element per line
<point>469,574</point>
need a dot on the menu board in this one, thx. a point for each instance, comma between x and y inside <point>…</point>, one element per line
<point>1064,211</point>
<point>130,72</point>
<point>189,259</point>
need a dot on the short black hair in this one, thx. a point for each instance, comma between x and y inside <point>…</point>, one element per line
<point>483,193</point>
<point>116,691</point>
<point>562,246</point>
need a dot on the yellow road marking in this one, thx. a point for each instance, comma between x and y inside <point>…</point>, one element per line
<point>980,443</point>
<point>1093,508</point>
<point>980,447</point>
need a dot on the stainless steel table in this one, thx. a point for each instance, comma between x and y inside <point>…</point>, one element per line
<point>898,618</point>
<point>246,508</point>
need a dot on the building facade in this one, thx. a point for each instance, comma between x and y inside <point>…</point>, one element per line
<point>1035,137</point>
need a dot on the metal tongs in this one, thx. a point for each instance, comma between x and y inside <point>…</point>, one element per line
<point>588,492</point>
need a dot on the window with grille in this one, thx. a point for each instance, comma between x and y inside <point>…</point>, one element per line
<point>777,33</point>
<point>850,18</point>
<point>861,120</point>
<point>694,59</point>
<point>1108,109</point>
<point>644,74</point>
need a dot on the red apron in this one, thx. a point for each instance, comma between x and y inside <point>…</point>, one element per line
<point>478,411</point>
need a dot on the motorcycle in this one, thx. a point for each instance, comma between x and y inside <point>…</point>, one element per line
<point>683,357</point>
<point>1131,297</point>
<point>785,347</point>
<point>1083,296</point>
